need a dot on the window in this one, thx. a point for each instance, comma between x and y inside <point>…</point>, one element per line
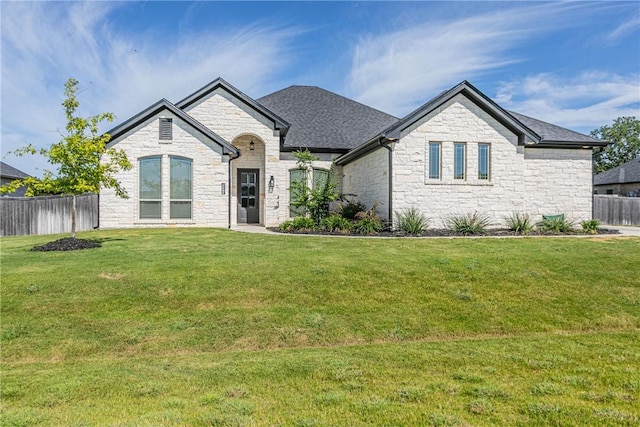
<point>180,188</point>
<point>295,175</point>
<point>165,129</point>
<point>434,160</point>
<point>150,187</point>
<point>459,161</point>
<point>484,165</point>
<point>609,190</point>
<point>320,178</point>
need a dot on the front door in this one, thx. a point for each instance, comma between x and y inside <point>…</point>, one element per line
<point>248,196</point>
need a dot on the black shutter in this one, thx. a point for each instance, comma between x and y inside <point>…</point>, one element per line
<point>165,129</point>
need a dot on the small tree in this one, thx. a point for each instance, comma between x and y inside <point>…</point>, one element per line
<point>77,158</point>
<point>624,134</point>
<point>314,201</point>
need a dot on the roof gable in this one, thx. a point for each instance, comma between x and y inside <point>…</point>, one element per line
<point>161,105</point>
<point>481,100</point>
<point>321,119</point>
<point>219,83</point>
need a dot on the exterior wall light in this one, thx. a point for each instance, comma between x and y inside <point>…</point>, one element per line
<point>272,182</point>
<point>252,145</point>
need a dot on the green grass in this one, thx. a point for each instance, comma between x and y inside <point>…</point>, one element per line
<point>212,327</point>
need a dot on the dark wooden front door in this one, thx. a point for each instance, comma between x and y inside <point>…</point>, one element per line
<point>248,196</point>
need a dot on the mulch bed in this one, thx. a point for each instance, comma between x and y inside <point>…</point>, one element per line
<point>443,232</point>
<point>67,244</point>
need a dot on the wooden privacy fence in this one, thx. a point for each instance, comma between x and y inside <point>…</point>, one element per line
<point>46,215</point>
<point>616,210</point>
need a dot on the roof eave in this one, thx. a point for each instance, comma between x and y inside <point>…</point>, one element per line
<point>586,145</point>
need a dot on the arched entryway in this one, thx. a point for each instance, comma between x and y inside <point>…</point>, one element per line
<point>247,174</point>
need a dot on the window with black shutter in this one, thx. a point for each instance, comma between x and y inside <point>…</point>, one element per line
<point>165,129</point>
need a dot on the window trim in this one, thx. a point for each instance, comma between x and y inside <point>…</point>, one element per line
<point>438,176</point>
<point>464,160</point>
<point>488,159</point>
<point>171,199</point>
<point>140,199</point>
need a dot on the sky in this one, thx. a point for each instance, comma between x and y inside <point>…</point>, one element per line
<point>575,64</point>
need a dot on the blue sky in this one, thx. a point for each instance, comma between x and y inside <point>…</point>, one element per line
<point>575,64</point>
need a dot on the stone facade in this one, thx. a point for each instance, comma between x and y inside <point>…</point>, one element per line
<point>209,205</point>
<point>537,181</point>
<point>523,177</point>
<point>367,178</point>
<point>235,122</point>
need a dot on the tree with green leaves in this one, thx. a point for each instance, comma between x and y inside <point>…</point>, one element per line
<point>84,163</point>
<point>313,200</point>
<point>624,135</point>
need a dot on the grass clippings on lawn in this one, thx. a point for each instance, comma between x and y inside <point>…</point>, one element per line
<point>212,327</point>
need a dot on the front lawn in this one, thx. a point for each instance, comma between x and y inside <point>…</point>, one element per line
<point>213,327</point>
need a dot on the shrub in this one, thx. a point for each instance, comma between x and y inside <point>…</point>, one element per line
<point>286,226</point>
<point>469,224</point>
<point>519,223</point>
<point>412,221</point>
<point>590,226</point>
<point>336,223</point>
<point>555,224</point>
<point>351,209</point>
<point>301,223</point>
<point>368,221</point>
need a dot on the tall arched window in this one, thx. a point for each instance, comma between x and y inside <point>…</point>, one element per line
<point>180,186</point>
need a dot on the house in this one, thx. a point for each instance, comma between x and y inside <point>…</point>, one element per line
<point>220,158</point>
<point>623,180</point>
<point>9,174</point>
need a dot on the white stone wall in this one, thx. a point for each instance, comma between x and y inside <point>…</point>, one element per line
<point>236,123</point>
<point>368,179</point>
<point>534,181</point>
<point>558,181</point>
<point>209,172</point>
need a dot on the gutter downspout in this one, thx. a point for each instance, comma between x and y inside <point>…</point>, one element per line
<point>386,145</point>
<point>230,186</point>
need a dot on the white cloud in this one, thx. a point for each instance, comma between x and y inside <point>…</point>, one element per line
<point>397,71</point>
<point>584,102</point>
<point>43,44</point>
<point>626,28</point>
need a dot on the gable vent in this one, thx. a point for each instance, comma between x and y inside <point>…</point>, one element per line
<point>165,128</point>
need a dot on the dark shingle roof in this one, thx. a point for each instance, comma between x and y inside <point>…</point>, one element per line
<point>325,120</point>
<point>625,173</point>
<point>553,133</point>
<point>7,171</point>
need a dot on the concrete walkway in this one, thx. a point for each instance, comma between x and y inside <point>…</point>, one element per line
<point>623,229</point>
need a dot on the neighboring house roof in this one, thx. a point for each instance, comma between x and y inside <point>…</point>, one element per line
<point>324,120</point>
<point>531,131</point>
<point>163,104</point>
<point>626,173</point>
<point>278,122</point>
<point>8,171</point>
